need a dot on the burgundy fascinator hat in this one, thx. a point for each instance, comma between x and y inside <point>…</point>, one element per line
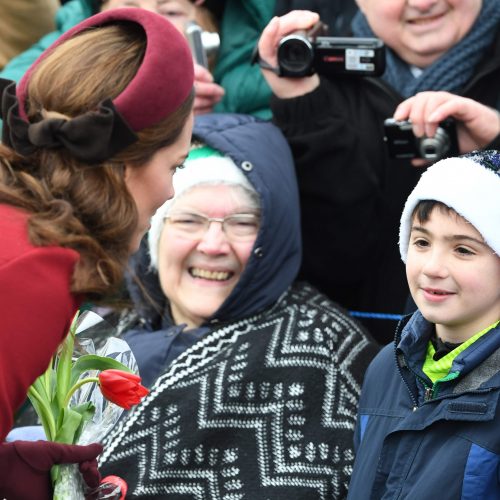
<point>158,88</point>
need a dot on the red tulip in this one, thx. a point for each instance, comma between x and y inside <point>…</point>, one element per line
<point>122,388</point>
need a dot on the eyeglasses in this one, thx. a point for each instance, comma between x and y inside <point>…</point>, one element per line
<point>237,227</point>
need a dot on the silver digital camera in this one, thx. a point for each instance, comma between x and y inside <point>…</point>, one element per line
<point>203,44</point>
<point>402,143</point>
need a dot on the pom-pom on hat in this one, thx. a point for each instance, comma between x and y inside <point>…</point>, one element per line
<point>470,185</point>
<point>204,165</point>
<point>162,83</point>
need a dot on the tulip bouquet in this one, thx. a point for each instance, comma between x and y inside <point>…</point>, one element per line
<point>80,398</point>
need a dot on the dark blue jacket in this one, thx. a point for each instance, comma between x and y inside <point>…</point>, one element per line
<point>259,149</point>
<point>415,444</point>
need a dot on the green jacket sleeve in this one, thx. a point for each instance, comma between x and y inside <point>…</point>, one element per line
<point>246,89</point>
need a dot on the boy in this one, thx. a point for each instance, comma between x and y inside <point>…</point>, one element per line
<point>429,413</point>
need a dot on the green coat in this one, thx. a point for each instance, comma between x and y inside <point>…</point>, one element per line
<point>246,89</point>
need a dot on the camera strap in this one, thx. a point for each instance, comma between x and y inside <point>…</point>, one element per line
<point>256,59</point>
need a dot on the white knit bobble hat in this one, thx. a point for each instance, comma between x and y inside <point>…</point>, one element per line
<point>204,165</point>
<point>470,185</point>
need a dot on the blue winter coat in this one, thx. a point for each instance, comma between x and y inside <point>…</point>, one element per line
<point>412,444</point>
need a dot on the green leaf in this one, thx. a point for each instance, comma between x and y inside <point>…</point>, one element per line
<point>52,384</point>
<point>55,408</point>
<point>41,387</point>
<point>68,425</point>
<point>40,394</point>
<point>41,415</point>
<point>86,410</point>
<point>44,412</point>
<point>64,364</point>
<point>54,474</point>
<point>91,362</point>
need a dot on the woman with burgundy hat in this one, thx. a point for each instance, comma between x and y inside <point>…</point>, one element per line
<point>91,138</point>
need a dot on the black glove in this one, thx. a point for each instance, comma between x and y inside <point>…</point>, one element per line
<point>25,467</point>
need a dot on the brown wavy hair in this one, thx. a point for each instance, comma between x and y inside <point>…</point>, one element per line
<point>74,205</point>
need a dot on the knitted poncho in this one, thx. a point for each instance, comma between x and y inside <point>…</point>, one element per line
<point>262,408</point>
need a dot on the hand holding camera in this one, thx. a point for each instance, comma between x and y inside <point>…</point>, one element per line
<point>403,143</point>
<point>278,28</point>
<point>476,125</point>
<point>296,46</point>
<point>304,53</point>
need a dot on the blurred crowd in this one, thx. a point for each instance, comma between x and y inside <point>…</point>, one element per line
<point>351,187</point>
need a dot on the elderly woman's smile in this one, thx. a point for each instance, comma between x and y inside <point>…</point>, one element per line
<point>210,275</point>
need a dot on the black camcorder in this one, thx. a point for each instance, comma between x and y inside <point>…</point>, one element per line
<point>304,53</point>
<point>402,143</point>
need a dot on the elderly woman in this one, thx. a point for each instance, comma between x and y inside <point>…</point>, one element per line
<point>352,192</point>
<point>257,378</point>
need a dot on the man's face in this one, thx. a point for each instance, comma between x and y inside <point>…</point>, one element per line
<point>420,31</point>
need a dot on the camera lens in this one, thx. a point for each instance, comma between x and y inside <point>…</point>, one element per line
<point>433,148</point>
<point>295,54</point>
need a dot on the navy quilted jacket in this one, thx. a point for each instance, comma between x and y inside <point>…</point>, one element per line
<point>415,443</point>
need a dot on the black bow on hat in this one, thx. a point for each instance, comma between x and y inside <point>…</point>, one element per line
<point>92,137</point>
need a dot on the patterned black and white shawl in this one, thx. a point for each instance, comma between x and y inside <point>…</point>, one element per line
<point>263,408</point>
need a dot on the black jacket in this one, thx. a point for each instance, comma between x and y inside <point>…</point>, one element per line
<point>352,193</point>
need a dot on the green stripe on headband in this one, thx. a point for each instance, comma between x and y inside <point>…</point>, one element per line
<point>203,152</point>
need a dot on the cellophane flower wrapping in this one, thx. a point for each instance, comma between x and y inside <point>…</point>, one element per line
<point>70,484</point>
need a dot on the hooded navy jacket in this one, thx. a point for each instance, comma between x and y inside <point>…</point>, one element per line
<point>259,149</point>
